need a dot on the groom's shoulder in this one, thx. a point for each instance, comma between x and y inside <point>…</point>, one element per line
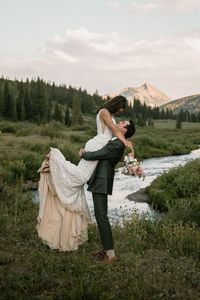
<point>118,143</point>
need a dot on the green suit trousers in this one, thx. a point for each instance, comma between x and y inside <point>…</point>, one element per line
<point>100,210</point>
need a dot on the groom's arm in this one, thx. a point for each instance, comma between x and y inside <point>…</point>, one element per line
<point>111,150</point>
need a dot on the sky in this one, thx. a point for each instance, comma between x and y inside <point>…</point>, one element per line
<point>105,45</point>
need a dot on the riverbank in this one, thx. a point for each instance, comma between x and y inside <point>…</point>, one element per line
<point>140,196</point>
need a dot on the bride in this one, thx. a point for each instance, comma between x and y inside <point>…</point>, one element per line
<point>63,211</point>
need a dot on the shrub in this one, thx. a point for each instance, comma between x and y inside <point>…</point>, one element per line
<point>9,128</point>
<point>178,190</point>
<point>52,133</point>
<point>79,138</point>
<point>70,153</point>
<point>32,162</point>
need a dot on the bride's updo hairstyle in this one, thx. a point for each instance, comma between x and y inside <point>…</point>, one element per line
<point>114,105</point>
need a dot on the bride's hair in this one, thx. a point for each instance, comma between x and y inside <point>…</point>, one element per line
<point>114,104</point>
<point>130,129</point>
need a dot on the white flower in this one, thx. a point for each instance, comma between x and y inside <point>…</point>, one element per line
<point>132,166</point>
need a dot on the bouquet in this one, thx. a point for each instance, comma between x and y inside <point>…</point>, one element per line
<point>132,166</point>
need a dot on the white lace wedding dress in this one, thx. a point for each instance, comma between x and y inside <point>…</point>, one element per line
<point>63,211</point>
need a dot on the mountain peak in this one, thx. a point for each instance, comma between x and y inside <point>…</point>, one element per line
<point>146,85</point>
<point>145,93</point>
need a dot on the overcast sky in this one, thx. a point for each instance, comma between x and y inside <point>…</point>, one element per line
<point>103,45</point>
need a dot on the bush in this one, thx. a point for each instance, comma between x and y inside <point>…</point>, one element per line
<point>79,138</point>
<point>8,128</point>
<point>71,153</point>
<point>186,211</point>
<point>178,190</point>
<point>32,162</point>
<point>52,133</point>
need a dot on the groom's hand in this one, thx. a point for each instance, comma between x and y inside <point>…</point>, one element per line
<point>81,151</point>
<point>129,144</point>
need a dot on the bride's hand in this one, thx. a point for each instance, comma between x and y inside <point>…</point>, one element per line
<point>81,151</point>
<point>129,144</point>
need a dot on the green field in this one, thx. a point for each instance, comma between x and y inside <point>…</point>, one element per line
<point>159,258</point>
<point>171,124</point>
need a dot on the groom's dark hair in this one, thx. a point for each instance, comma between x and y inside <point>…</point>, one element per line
<point>130,129</point>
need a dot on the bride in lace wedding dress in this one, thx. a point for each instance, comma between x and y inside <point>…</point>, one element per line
<point>63,211</point>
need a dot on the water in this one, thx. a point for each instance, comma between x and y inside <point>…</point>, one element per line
<point>119,206</point>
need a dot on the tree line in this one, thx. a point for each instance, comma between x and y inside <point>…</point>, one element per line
<point>41,102</point>
<point>144,115</point>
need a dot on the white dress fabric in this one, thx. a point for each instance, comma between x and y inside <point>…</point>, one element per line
<point>63,210</point>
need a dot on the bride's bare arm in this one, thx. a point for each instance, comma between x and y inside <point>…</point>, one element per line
<point>106,117</point>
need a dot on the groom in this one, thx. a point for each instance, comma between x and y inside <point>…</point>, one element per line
<point>101,185</point>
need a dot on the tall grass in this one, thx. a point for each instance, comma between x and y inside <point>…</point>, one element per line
<point>159,257</point>
<point>156,257</point>
<point>178,193</point>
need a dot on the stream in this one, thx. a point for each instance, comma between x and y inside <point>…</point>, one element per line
<point>119,206</point>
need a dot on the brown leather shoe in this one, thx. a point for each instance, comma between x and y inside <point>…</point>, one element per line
<point>108,260</point>
<point>99,254</point>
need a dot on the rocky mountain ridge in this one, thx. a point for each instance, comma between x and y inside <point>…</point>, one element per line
<point>189,103</point>
<point>146,93</point>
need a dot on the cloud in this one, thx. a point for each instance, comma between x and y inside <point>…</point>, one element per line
<point>179,5</point>
<point>110,62</point>
<point>142,7</point>
<point>159,5</point>
<point>114,4</point>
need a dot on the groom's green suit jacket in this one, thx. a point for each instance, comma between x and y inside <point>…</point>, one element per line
<point>102,179</point>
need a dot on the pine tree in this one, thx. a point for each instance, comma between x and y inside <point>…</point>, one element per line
<point>27,101</point>
<point>76,111</point>
<point>20,101</point>
<point>141,121</point>
<point>1,101</point>
<point>53,92</point>
<point>38,101</point>
<point>87,103</point>
<point>150,122</point>
<point>7,100</point>
<point>22,111</point>
<point>67,117</point>
<point>178,123</point>
<point>57,116</point>
<point>14,110</point>
<point>42,101</point>
<point>49,110</point>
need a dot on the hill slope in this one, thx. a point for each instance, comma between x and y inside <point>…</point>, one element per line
<point>190,103</point>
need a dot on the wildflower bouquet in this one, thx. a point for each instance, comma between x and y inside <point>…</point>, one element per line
<point>132,165</point>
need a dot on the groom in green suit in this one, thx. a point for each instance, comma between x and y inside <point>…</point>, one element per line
<point>101,185</point>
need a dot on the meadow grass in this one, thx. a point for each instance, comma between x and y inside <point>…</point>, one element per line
<point>156,258</point>
<point>159,257</point>
<point>171,124</point>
